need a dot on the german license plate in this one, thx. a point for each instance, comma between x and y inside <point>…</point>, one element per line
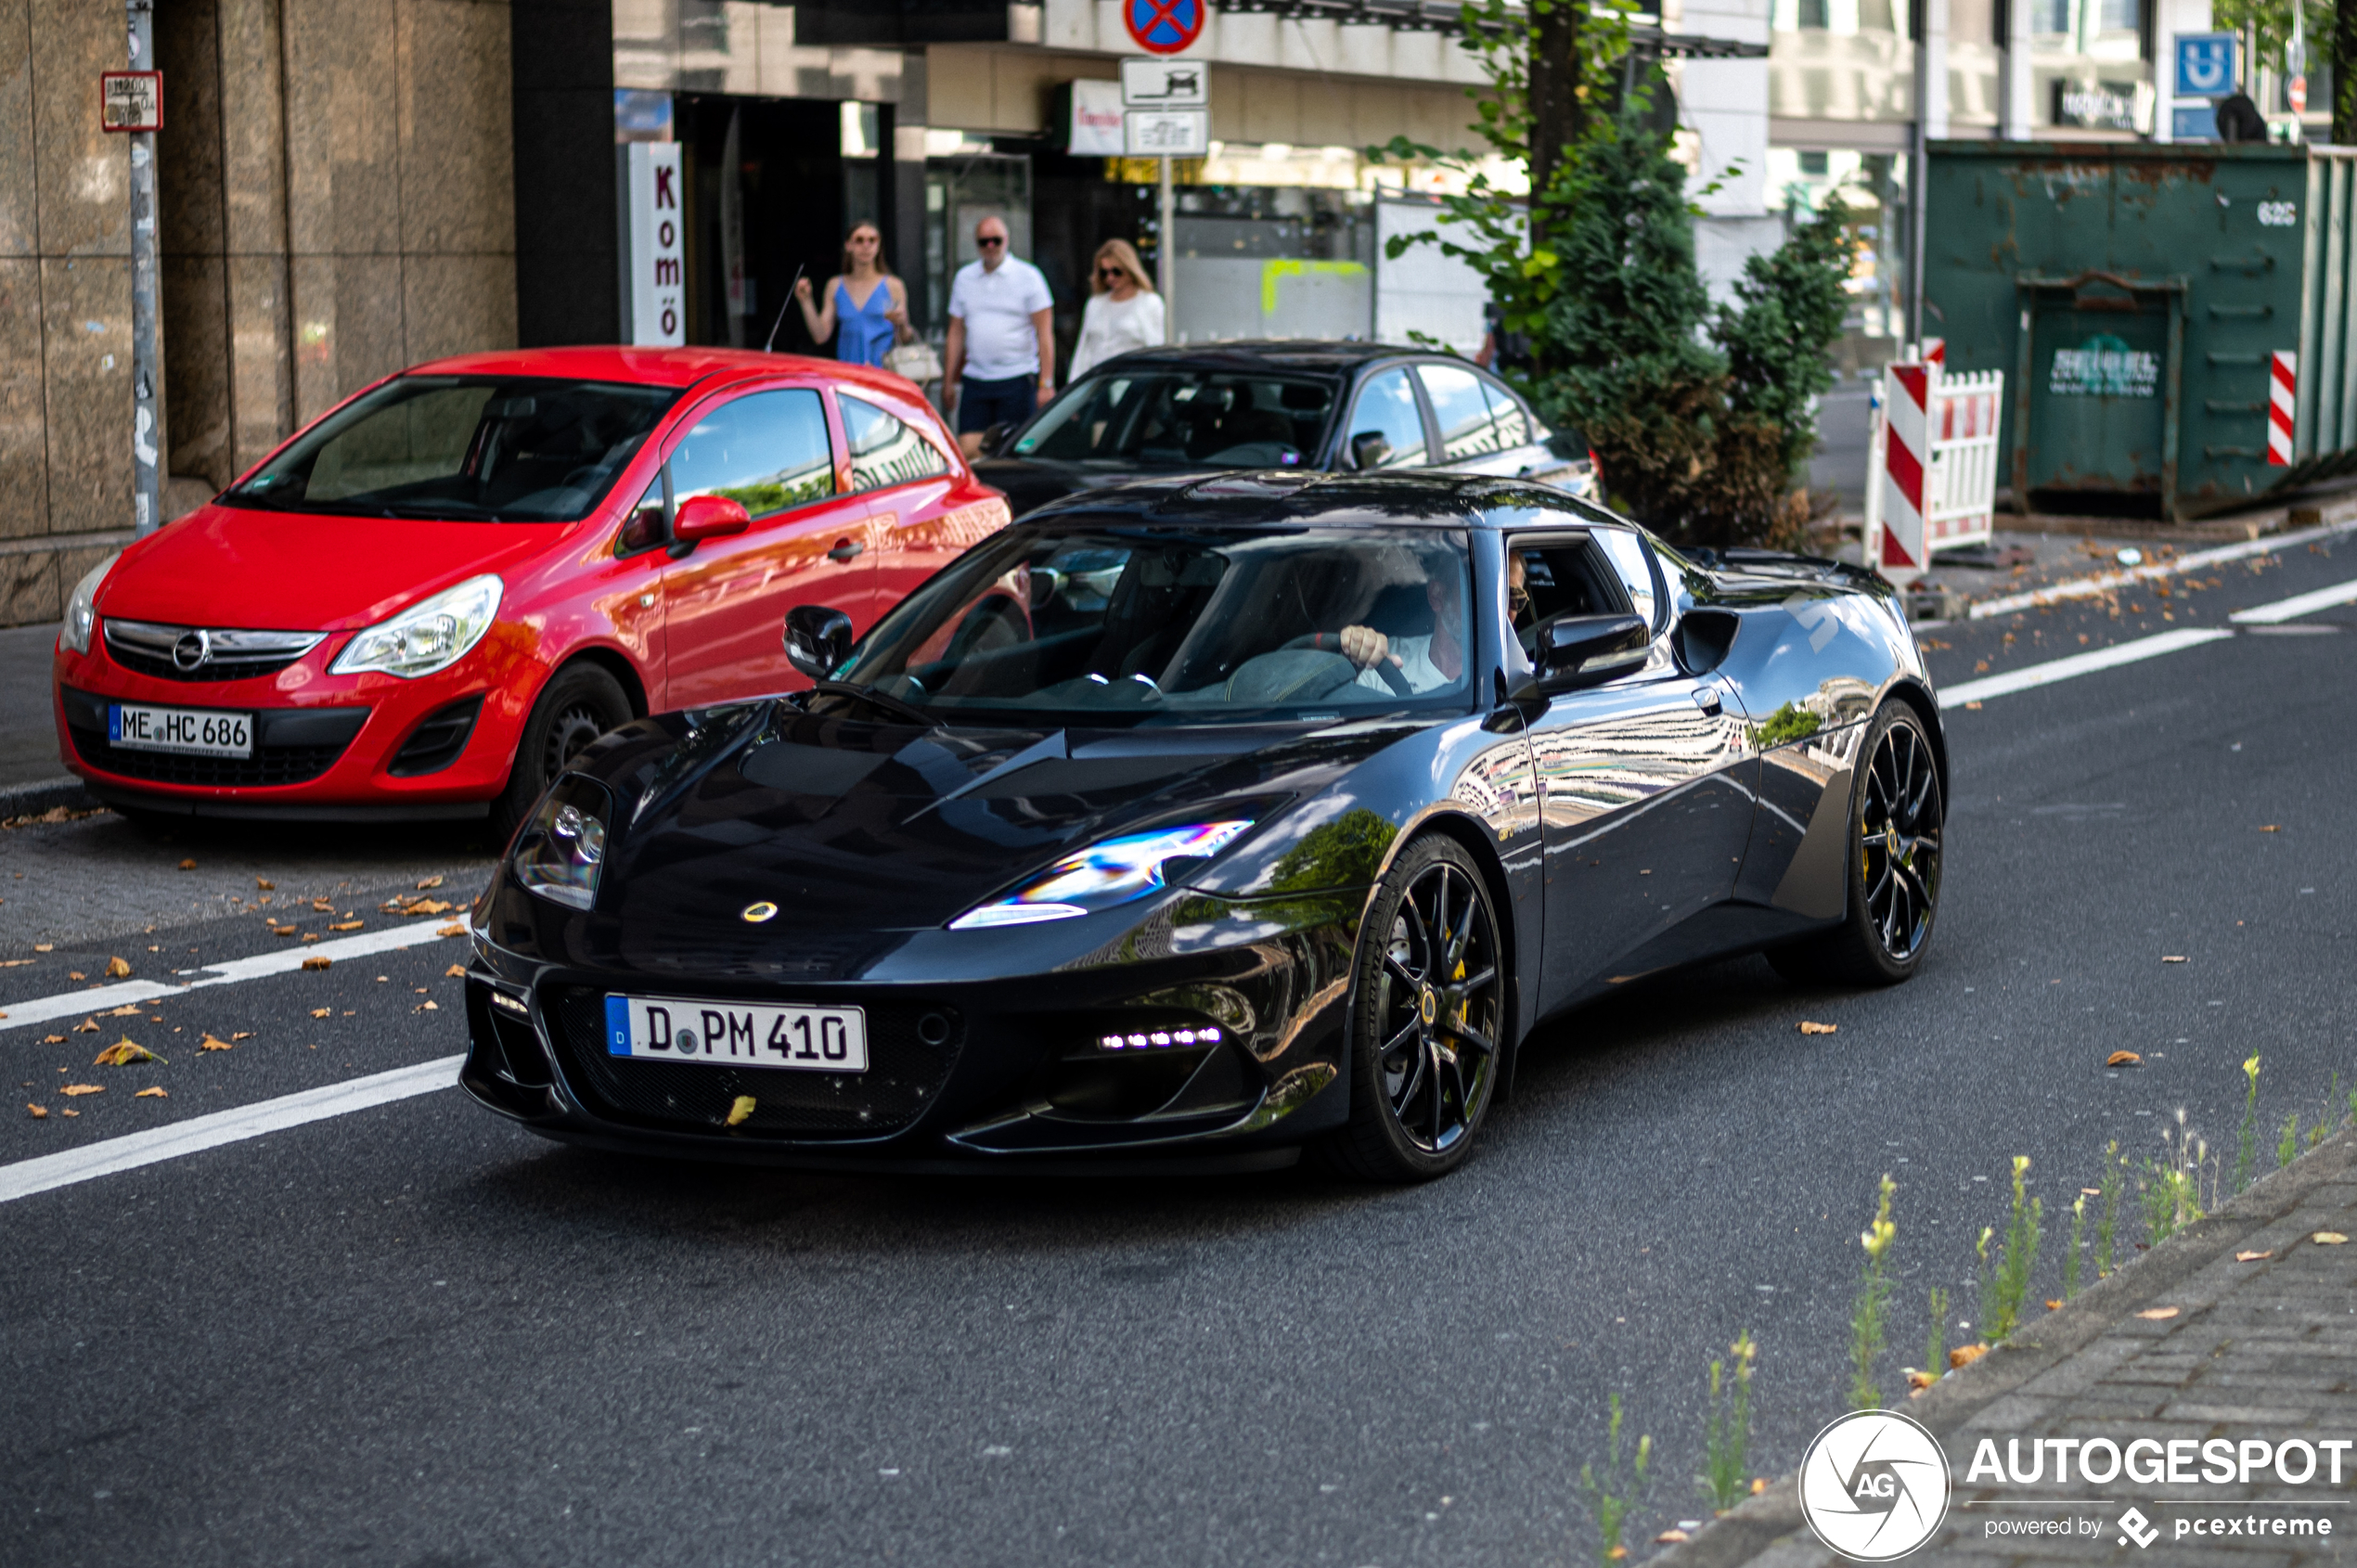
<point>137,728</point>
<point>736,1033</point>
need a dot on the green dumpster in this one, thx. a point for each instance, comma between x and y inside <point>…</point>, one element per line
<point>2151,305</point>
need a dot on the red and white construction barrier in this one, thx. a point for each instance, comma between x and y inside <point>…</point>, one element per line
<point>2283,386</point>
<point>1932,479</point>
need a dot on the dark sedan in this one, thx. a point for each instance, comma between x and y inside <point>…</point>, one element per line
<point>1203,820</point>
<point>1332,407</point>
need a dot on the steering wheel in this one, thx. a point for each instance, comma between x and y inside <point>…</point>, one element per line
<point>1393,678</point>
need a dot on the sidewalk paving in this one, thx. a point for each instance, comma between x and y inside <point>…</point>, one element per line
<point>2255,1349</point>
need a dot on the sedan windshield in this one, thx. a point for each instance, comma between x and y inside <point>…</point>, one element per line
<point>1125,625</point>
<point>1177,417</point>
<point>464,448</point>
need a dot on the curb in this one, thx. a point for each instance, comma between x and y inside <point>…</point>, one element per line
<point>30,799</point>
<point>1759,1524</point>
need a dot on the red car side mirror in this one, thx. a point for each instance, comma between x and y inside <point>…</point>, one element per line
<point>709,517</point>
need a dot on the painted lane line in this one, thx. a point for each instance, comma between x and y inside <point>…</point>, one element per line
<point>129,1152</point>
<point>2079,665</point>
<point>2103,583</point>
<point>68,1004</point>
<point>2298,605</point>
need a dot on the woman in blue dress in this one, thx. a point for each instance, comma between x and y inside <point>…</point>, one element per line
<point>867,308</point>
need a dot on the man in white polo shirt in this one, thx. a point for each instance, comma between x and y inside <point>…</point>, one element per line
<point>1002,359</point>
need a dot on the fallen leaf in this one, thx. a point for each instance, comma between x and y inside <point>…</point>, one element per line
<point>45,946</point>
<point>1759,1484</point>
<point>53,1039</point>
<point>213,1042</point>
<point>2053,1306</point>
<point>2271,828</point>
<point>155,1093</point>
<point>2329,1239</point>
<point>242,1034</point>
<point>322,906</point>
<point>73,974</point>
<point>427,1007</point>
<point>317,961</point>
<point>128,1009</point>
<point>344,925</point>
<point>1616,1554</point>
<point>2123,1059</point>
<point>456,971</point>
<point>2254,1257</point>
<point>1965,1354</point>
<point>122,1053</point>
<point>68,1111</point>
<point>1671,1537</point>
<point>1808,1027</point>
<point>187,866</point>
<point>453,929</point>
<point>16,963</point>
<point>87,1026</point>
<point>2157,1314</point>
<point>282,930</point>
<point>1922,1380</point>
<point>311,936</point>
<point>265,883</point>
<point>117,968</point>
<point>39,1112</point>
<point>83,1089</point>
<point>321,1013</point>
<point>428,883</point>
<point>2091,1193</point>
<point>428,907</point>
<point>1974,707</point>
<point>2172,957</point>
<point>738,1110</point>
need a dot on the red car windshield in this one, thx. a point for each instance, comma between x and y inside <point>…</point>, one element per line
<point>466,448</point>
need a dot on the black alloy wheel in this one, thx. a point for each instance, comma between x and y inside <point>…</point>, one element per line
<point>1428,1019</point>
<point>581,703</point>
<point>1896,815</point>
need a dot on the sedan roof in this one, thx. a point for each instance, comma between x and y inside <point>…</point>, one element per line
<point>1291,496</point>
<point>657,366</point>
<point>1305,353</point>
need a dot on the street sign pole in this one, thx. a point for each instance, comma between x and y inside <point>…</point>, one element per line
<point>1164,268</point>
<point>146,423</point>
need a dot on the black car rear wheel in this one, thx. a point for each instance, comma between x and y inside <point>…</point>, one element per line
<point>1428,1019</point>
<point>1897,814</point>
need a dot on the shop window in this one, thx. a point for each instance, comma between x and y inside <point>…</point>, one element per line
<point>1467,429</point>
<point>768,452</point>
<point>1813,14</point>
<point>884,451</point>
<point>1387,411</point>
<point>1815,165</point>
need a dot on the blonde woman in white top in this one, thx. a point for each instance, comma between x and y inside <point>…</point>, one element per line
<point>1124,311</point>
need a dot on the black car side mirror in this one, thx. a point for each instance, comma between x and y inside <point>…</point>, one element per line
<point>994,439</point>
<point>817,639</point>
<point>1368,449</point>
<point>1582,651</point>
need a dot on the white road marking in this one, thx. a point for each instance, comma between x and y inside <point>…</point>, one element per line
<point>2298,604</point>
<point>2079,665</point>
<point>68,1003</point>
<point>129,1152</point>
<point>2103,583</point>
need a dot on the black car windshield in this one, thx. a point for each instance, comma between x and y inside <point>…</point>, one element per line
<point>464,448</point>
<point>1173,416</point>
<point>1141,624</point>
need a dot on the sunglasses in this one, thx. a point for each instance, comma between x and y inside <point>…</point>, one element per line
<point>990,240</point>
<point>1517,598</point>
<point>1114,274</point>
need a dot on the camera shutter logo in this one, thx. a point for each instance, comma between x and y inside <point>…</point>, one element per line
<point>1874,1485</point>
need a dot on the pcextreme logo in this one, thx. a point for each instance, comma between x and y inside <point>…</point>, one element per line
<point>1874,1485</point>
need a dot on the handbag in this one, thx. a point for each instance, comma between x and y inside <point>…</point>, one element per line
<point>915,360</point>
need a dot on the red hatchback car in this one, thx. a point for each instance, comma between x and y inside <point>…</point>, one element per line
<point>425,602</point>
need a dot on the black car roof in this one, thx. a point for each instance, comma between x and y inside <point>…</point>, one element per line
<point>1304,354</point>
<point>1245,497</point>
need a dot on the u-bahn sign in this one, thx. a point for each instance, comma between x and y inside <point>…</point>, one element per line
<point>1164,27</point>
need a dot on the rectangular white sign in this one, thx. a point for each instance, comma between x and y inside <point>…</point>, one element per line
<point>1165,84</point>
<point>1168,133</point>
<point>658,286</point>
<point>1095,131</point>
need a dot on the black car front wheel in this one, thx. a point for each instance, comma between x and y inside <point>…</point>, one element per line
<point>1427,1019</point>
<point>1897,815</point>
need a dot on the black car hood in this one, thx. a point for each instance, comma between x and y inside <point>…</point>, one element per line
<point>1031,483</point>
<point>853,828</point>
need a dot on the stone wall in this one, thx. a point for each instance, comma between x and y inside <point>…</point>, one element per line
<point>337,202</point>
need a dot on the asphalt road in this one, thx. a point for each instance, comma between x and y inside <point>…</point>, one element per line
<point>415,1335</point>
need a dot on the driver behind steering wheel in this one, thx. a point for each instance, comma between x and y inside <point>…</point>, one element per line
<point>1435,659</point>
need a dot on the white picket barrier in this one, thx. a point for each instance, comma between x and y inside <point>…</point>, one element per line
<point>1931,478</point>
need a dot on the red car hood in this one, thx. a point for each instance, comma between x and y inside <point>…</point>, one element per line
<point>223,566</point>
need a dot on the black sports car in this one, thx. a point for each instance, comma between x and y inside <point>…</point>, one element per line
<point>1344,407</point>
<point>1201,820</point>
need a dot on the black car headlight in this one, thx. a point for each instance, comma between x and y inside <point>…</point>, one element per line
<point>1111,873</point>
<point>561,850</point>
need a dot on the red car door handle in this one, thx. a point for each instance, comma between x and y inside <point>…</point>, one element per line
<point>846,548</point>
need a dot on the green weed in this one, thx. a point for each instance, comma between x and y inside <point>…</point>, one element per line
<point>1936,1347</point>
<point>2005,1286</point>
<point>1873,1295</point>
<point>1613,1496</point>
<point>2288,1145</point>
<point>2070,1258</point>
<point>2107,1227</point>
<point>2246,1145</point>
<point>1727,1431</point>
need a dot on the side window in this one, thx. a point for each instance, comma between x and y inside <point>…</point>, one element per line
<point>1513,425</point>
<point>885,451</point>
<point>767,451</point>
<point>1387,411</point>
<point>1548,578</point>
<point>1634,564</point>
<point>1466,427</point>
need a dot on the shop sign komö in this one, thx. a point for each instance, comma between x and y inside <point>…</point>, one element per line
<point>2103,367</point>
<point>658,246</point>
